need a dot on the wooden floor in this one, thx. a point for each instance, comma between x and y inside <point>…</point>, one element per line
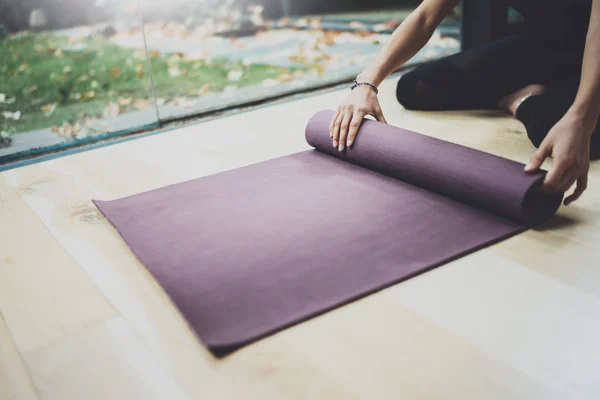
<point>80,318</point>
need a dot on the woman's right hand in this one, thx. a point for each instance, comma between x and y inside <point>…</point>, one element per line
<point>361,101</point>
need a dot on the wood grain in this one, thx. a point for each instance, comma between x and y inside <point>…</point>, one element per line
<point>15,382</point>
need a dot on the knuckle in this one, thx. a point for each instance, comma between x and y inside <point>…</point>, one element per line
<point>355,124</point>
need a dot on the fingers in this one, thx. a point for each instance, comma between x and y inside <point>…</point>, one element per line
<point>537,159</point>
<point>563,176</point>
<point>555,178</point>
<point>354,126</point>
<point>335,133</point>
<point>581,186</point>
<point>332,123</point>
<point>344,126</point>
<point>378,114</point>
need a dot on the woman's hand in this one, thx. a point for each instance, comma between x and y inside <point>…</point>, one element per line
<point>345,123</point>
<point>568,143</point>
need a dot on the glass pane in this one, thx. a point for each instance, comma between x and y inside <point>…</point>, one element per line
<point>209,55</point>
<point>69,79</point>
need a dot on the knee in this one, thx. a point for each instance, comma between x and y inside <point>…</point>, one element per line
<point>413,94</point>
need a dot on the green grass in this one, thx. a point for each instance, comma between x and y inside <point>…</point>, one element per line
<point>41,70</point>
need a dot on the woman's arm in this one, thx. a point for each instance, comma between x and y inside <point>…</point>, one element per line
<point>410,37</point>
<point>568,142</point>
<point>587,103</point>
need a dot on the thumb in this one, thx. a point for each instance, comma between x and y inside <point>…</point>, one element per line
<point>537,159</point>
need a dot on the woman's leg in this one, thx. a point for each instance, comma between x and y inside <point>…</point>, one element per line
<point>478,78</point>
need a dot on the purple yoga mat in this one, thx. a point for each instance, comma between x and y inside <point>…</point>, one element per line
<point>248,252</point>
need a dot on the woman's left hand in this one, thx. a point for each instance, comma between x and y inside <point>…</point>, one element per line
<point>568,143</point>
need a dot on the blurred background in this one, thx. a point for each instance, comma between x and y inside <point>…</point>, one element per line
<point>78,71</point>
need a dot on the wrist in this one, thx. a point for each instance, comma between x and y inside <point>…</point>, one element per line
<point>585,119</point>
<point>374,77</point>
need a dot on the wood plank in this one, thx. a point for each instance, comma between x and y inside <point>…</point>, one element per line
<point>541,327</point>
<point>44,295</point>
<point>377,349</point>
<point>101,362</point>
<point>15,382</point>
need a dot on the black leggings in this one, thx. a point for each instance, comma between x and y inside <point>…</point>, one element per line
<point>481,77</point>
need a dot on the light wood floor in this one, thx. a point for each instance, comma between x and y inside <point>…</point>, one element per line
<point>80,318</point>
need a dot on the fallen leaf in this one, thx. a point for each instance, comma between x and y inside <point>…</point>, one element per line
<point>2,97</point>
<point>49,109</point>
<point>315,22</point>
<point>12,115</point>
<point>32,89</point>
<point>23,67</point>
<point>55,129</point>
<point>320,69</point>
<point>154,54</point>
<point>115,72</point>
<point>174,71</point>
<point>111,110</point>
<point>285,77</point>
<point>94,84</point>
<point>83,78</point>
<point>380,27</point>
<point>184,103</point>
<point>357,25</point>
<point>39,48</point>
<point>141,104</point>
<point>66,130</point>
<point>51,48</point>
<point>88,95</point>
<point>125,101</point>
<point>75,96</point>
<point>160,101</point>
<point>58,53</point>
<point>140,74</point>
<point>11,100</point>
<point>204,89</point>
<point>67,69</point>
<point>235,75</point>
<point>139,67</point>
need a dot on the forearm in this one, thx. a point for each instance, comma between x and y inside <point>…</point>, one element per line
<point>586,106</point>
<point>410,37</point>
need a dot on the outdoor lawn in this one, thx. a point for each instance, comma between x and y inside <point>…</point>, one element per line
<point>53,80</point>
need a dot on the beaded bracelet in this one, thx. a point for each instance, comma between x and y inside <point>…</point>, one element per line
<point>365,83</point>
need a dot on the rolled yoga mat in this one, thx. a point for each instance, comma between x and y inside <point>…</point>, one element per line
<point>248,252</point>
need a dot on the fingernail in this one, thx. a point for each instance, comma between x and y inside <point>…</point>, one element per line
<point>528,167</point>
<point>330,134</point>
<point>341,147</point>
<point>335,143</point>
<point>349,143</point>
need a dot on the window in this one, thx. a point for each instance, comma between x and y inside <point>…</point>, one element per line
<point>79,71</point>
